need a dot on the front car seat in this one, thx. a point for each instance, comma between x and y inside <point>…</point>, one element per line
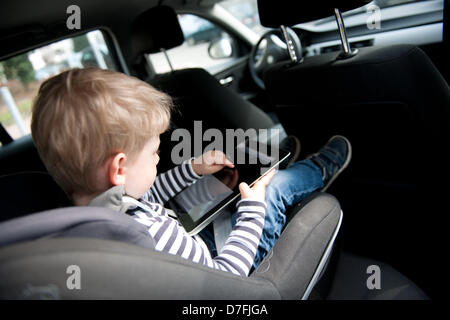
<point>391,102</point>
<point>198,96</point>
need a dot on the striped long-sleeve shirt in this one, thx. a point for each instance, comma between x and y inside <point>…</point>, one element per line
<point>239,251</point>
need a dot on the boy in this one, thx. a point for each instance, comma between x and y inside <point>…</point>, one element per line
<point>97,132</point>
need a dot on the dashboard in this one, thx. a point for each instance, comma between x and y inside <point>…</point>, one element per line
<point>418,23</point>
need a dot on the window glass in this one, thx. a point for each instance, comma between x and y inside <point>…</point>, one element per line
<point>199,35</point>
<point>245,11</point>
<point>389,3</point>
<point>21,76</point>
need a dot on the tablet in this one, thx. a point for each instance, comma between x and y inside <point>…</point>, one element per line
<point>200,203</point>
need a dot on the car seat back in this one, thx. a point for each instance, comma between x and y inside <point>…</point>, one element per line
<point>198,96</point>
<point>389,98</point>
<point>394,106</point>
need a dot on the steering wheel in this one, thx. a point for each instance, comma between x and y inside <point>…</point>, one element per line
<point>269,49</point>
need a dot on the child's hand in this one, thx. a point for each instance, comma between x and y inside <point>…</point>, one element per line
<point>210,162</point>
<point>258,190</point>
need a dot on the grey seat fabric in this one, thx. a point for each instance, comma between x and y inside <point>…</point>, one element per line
<point>115,270</point>
<point>119,270</point>
<point>350,282</point>
<point>302,246</point>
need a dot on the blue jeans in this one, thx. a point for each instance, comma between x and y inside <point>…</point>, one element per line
<point>288,187</point>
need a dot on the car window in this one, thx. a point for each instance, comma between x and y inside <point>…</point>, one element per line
<point>199,34</point>
<point>245,11</point>
<point>388,3</point>
<point>21,76</point>
<point>389,10</point>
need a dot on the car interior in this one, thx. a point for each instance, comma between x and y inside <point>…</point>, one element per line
<point>392,101</point>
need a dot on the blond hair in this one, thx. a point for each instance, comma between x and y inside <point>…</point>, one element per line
<point>81,117</point>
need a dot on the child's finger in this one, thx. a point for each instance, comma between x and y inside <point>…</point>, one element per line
<point>264,181</point>
<point>227,162</point>
<point>220,158</point>
<point>245,190</point>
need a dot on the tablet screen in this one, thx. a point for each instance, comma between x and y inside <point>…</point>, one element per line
<point>205,194</point>
<point>210,194</point>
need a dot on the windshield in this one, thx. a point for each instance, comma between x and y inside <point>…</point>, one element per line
<point>389,3</point>
<point>247,11</point>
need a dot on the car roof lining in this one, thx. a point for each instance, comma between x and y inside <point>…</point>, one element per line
<point>33,25</point>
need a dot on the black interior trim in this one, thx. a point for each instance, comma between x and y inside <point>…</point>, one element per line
<point>5,138</point>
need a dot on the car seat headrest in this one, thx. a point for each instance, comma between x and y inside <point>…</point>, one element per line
<point>76,222</point>
<point>272,14</point>
<point>155,29</point>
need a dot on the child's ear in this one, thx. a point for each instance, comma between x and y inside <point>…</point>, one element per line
<point>116,170</point>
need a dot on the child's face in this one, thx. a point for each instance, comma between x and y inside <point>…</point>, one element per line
<point>142,171</point>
